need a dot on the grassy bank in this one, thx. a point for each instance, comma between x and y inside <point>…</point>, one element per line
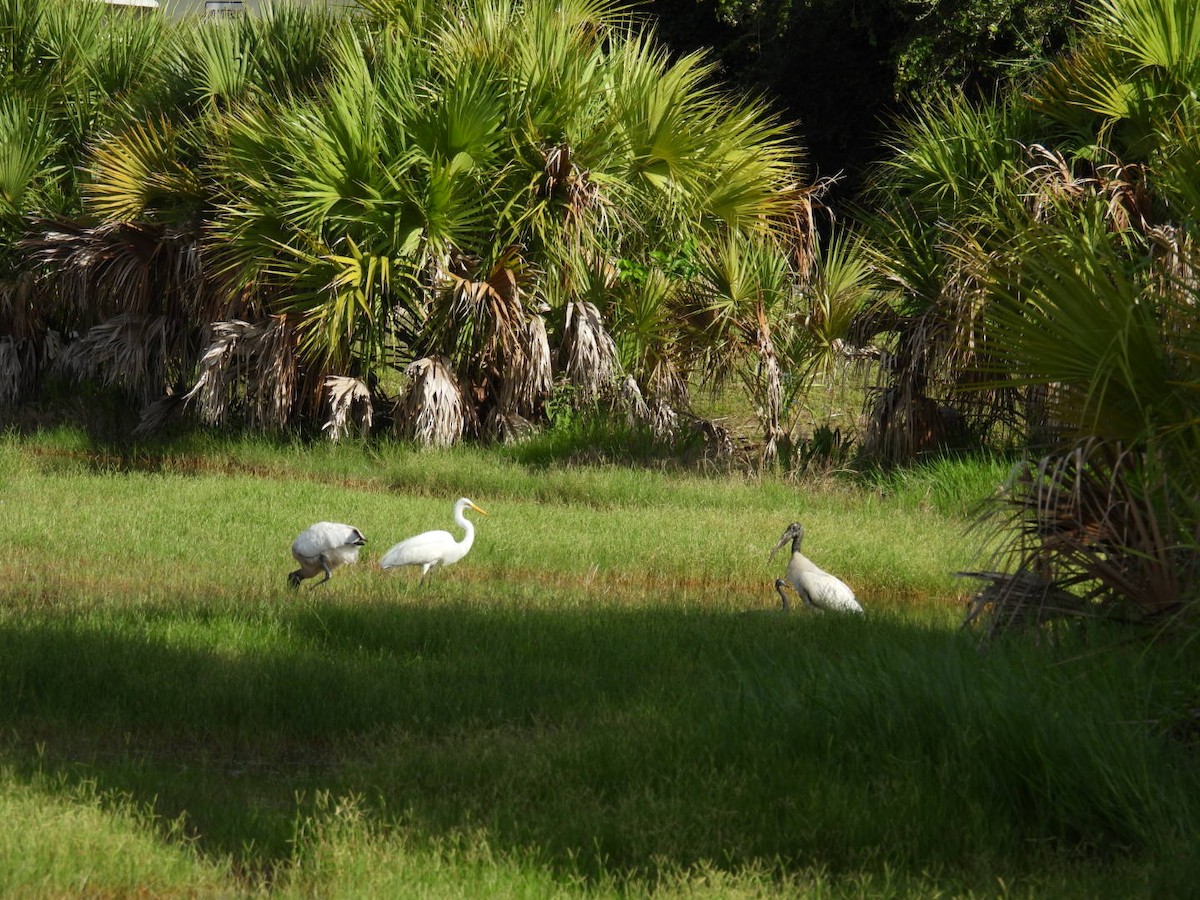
<point>598,699</point>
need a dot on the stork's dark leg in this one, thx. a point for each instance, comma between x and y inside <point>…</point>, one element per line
<point>780,584</point>
<point>328,572</point>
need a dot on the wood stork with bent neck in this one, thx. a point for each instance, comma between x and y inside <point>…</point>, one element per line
<point>816,587</point>
<point>322,548</point>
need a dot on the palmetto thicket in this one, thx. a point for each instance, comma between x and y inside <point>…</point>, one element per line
<point>1043,262</point>
<point>439,201</point>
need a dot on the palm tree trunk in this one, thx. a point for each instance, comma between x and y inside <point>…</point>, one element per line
<point>771,409</point>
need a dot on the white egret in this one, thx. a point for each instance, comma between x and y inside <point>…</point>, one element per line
<point>434,548</point>
<point>816,587</point>
<point>322,548</point>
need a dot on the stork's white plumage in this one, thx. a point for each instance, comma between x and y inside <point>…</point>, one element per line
<point>434,548</point>
<point>322,548</point>
<point>816,587</point>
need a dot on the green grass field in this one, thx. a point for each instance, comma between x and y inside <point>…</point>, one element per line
<point>599,700</point>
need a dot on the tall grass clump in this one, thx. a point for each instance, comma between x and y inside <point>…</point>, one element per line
<point>975,755</point>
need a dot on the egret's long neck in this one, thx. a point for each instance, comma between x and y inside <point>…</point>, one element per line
<point>465,524</point>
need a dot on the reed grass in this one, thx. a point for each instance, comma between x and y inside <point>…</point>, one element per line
<point>599,700</point>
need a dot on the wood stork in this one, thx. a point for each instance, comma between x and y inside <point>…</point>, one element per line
<point>322,548</point>
<point>816,587</point>
<point>434,548</point>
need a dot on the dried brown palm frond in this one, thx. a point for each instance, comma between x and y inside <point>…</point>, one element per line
<point>350,407</point>
<point>1018,601</point>
<point>903,424</point>
<point>658,414</point>
<point>1176,281</point>
<point>505,426</point>
<point>94,273</point>
<point>904,420</point>
<point>432,411</point>
<point>798,224</point>
<point>20,314</point>
<point>220,369</point>
<point>249,366</point>
<point>1178,260</point>
<point>937,386</point>
<point>135,351</point>
<point>481,325</point>
<point>664,419</point>
<point>1084,532</point>
<point>581,196</point>
<point>155,416</point>
<point>51,346</point>
<point>10,371</point>
<point>1053,183</point>
<point>1128,196</point>
<point>557,168</point>
<point>528,376</point>
<point>769,384</point>
<point>637,412</point>
<point>588,351</point>
<point>23,360</point>
<point>273,373</point>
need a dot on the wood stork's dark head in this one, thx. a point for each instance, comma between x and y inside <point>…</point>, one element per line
<point>795,534</point>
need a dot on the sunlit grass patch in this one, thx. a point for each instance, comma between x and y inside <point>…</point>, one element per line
<point>63,837</point>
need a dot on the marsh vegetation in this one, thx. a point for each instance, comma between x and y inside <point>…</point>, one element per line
<point>587,705</point>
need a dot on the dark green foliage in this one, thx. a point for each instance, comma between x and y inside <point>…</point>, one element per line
<point>841,69</point>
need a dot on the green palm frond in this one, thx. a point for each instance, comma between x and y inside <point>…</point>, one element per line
<point>844,285</point>
<point>1139,67</point>
<point>128,59</point>
<point>460,121</point>
<point>1072,311</point>
<point>340,302</point>
<point>648,335</point>
<point>219,62</point>
<point>27,148</point>
<point>737,301</point>
<point>661,113</point>
<point>291,47</point>
<point>410,19</point>
<point>955,158</point>
<point>1158,34</point>
<point>740,279</point>
<point>143,173</point>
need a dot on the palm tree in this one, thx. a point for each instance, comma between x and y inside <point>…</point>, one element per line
<point>954,177</point>
<point>1108,516</point>
<point>334,199</point>
<point>741,292</point>
<point>1091,293</point>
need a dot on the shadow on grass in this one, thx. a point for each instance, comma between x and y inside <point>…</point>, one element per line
<point>607,740</point>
